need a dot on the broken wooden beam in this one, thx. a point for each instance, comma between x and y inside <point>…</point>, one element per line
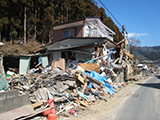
<point>128,54</point>
<point>96,81</point>
<point>130,67</point>
<point>116,60</point>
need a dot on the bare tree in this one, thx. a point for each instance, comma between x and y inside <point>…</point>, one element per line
<point>133,43</point>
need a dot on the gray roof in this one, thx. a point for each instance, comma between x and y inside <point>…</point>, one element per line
<point>79,42</point>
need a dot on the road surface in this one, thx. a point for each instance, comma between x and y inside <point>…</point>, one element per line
<point>144,104</point>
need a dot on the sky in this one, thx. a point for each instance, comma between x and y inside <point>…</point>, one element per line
<point>140,17</point>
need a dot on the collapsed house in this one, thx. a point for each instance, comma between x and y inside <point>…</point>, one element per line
<point>82,65</point>
<point>79,40</point>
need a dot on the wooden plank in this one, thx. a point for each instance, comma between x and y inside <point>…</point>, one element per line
<point>116,60</point>
<point>96,81</point>
<point>85,85</point>
<point>17,113</point>
<point>98,51</point>
<point>120,42</point>
<point>84,103</point>
<point>35,113</point>
<point>80,78</point>
<point>34,105</point>
<point>90,66</point>
<point>120,59</point>
<point>129,55</point>
<point>130,67</point>
<point>57,73</point>
<point>121,49</point>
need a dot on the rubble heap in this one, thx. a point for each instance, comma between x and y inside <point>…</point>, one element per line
<point>57,90</point>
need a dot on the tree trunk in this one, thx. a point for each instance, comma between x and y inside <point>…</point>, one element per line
<point>11,35</point>
<point>61,14</point>
<point>35,27</point>
<point>25,25</point>
<point>11,41</point>
<point>0,37</point>
<point>50,32</point>
<point>67,15</point>
<point>20,36</point>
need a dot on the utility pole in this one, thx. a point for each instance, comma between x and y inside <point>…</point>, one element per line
<point>124,33</point>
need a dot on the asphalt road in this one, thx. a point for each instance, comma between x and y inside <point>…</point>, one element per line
<point>144,104</point>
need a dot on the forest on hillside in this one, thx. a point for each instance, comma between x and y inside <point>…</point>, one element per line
<point>35,18</point>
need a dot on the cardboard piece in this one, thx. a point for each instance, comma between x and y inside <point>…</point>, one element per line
<point>90,66</point>
<point>60,64</point>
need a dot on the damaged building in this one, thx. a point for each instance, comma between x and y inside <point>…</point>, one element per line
<point>82,64</point>
<point>78,41</point>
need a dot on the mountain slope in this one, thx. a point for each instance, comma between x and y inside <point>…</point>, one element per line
<point>148,53</point>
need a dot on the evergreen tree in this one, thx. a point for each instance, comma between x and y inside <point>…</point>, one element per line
<point>42,14</point>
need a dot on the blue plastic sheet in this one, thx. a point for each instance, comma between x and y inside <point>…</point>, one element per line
<point>97,76</point>
<point>81,94</point>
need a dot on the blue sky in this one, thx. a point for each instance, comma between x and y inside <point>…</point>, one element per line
<point>140,17</point>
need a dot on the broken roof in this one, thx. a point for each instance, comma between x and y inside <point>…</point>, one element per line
<point>69,43</point>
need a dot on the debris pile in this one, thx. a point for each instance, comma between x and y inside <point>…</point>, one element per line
<point>58,90</point>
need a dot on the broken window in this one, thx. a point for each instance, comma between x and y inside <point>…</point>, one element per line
<point>68,33</point>
<point>91,32</point>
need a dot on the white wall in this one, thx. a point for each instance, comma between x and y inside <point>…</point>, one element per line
<point>101,30</point>
<point>56,55</point>
<point>24,64</point>
<point>45,61</point>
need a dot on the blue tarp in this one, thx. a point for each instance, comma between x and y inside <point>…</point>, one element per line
<point>97,76</point>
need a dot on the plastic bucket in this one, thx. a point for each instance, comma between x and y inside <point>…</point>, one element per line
<point>47,112</point>
<point>51,116</point>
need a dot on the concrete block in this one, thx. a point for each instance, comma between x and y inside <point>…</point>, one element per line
<point>13,103</point>
<point>8,94</point>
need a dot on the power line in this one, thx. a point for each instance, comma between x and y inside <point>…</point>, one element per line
<point>110,13</point>
<point>104,14</point>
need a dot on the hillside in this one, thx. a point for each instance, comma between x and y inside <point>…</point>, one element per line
<point>148,53</point>
<point>31,47</point>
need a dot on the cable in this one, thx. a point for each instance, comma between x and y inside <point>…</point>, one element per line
<point>110,12</point>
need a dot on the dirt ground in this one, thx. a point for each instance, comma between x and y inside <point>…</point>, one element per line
<point>17,48</point>
<point>106,110</point>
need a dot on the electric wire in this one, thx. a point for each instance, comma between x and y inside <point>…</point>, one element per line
<point>103,13</point>
<point>110,13</point>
